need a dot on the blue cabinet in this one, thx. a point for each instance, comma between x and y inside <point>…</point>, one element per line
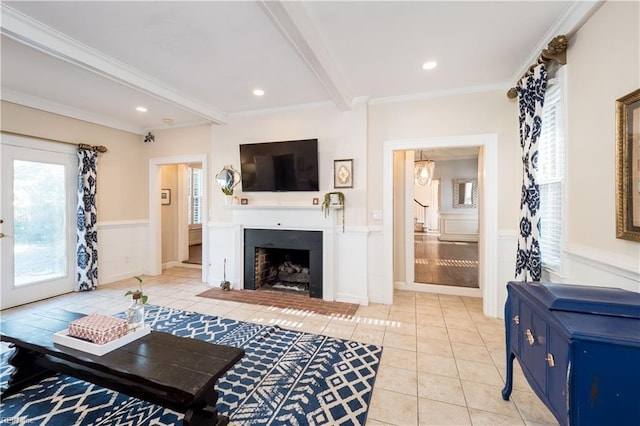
<point>579,349</point>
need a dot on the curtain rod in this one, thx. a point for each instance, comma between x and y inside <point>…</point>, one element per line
<point>556,51</point>
<point>99,148</point>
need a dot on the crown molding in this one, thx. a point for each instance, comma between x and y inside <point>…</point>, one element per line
<point>290,108</point>
<point>177,125</point>
<point>42,104</point>
<point>293,22</point>
<point>574,16</point>
<point>34,34</point>
<point>438,94</point>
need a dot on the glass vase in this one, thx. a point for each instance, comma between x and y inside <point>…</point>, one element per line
<point>135,313</point>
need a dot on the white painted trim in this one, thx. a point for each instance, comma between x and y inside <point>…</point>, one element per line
<point>36,35</point>
<point>177,125</point>
<point>488,171</point>
<point>293,22</point>
<point>440,289</point>
<point>626,267</point>
<point>47,105</point>
<point>183,213</point>
<point>439,94</point>
<point>171,264</point>
<point>409,250</point>
<point>119,277</point>
<point>121,223</point>
<point>155,218</point>
<point>350,298</point>
<point>284,109</point>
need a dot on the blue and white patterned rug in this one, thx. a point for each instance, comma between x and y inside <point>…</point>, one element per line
<point>285,377</point>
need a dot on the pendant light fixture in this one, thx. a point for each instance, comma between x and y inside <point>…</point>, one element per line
<point>423,171</point>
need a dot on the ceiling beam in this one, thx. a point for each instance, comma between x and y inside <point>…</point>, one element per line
<point>294,23</point>
<point>34,34</point>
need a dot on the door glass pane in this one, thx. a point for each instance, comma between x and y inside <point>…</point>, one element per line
<point>39,222</point>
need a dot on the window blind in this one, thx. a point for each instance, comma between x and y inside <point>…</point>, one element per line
<point>194,188</point>
<point>551,169</point>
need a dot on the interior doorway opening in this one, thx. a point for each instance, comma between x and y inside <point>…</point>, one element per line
<point>157,229</point>
<point>395,272</point>
<point>443,240</point>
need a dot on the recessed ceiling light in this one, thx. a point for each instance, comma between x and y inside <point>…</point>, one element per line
<point>258,92</point>
<point>429,65</point>
<point>141,109</point>
<point>167,121</point>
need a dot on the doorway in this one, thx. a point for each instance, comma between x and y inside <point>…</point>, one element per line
<point>194,213</point>
<point>37,243</point>
<point>181,215</point>
<point>487,217</point>
<point>155,210</point>
<point>444,239</point>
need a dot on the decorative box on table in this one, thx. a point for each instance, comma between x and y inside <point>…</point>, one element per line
<point>99,329</point>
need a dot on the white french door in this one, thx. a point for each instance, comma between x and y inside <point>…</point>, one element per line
<point>37,205</point>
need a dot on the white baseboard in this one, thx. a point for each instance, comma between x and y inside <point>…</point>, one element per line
<point>441,289</point>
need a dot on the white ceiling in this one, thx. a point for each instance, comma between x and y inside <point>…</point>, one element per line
<point>198,62</point>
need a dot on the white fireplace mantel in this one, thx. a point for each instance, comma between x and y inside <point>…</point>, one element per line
<point>297,217</point>
<point>343,253</point>
<point>281,217</point>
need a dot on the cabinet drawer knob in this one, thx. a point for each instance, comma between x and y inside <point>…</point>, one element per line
<point>550,360</point>
<point>530,337</point>
<point>516,319</point>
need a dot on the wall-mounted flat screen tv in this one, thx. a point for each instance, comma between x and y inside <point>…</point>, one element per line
<point>279,166</point>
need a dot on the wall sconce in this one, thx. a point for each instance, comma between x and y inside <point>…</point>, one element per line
<point>149,138</point>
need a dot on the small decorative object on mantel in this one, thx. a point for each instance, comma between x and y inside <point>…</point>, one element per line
<point>333,200</point>
<point>135,313</point>
<point>228,178</point>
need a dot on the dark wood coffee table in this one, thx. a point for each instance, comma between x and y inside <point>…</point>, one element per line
<point>175,372</point>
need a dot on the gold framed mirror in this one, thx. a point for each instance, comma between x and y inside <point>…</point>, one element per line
<point>628,167</point>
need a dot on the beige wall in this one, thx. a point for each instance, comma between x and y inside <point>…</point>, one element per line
<point>170,215</point>
<point>179,141</point>
<point>603,65</point>
<point>477,113</point>
<point>122,179</point>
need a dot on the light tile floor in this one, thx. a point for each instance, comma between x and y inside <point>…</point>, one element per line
<point>443,361</point>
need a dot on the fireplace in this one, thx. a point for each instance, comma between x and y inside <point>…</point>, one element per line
<point>289,258</point>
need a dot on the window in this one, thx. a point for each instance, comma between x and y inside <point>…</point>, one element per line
<point>551,169</point>
<point>194,189</point>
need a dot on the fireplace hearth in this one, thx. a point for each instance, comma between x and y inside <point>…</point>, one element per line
<point>287,260</point>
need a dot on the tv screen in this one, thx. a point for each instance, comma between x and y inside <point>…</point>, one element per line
<point>279,166</point>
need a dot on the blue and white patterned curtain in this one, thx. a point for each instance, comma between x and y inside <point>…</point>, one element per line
<point>87,229</point>
<point>531,90</point>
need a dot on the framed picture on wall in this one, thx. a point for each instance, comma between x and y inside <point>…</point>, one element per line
<point>628,167</point>
<point>343,173</point>
<point>165,196</point>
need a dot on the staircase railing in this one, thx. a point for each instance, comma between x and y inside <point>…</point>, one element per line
<point>421,212</point>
